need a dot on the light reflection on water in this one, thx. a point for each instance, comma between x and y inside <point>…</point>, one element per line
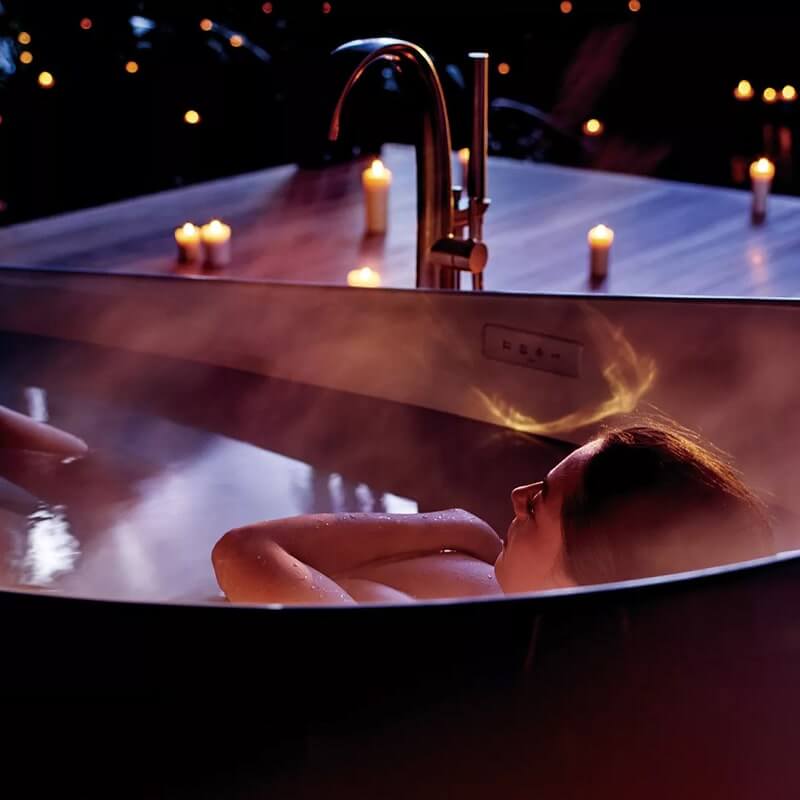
<point>52,550</point>
<point>156,543</point>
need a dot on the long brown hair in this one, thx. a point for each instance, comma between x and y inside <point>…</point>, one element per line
<point>654,500</point>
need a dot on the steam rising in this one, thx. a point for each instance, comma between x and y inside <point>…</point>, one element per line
<point>627,374</point>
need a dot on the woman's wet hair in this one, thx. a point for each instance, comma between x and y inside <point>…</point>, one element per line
<point>653,500</point>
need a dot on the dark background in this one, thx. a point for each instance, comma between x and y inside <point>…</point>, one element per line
<point>660,79</point>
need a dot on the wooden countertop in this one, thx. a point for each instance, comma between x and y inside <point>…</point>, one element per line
<point>307,226</point>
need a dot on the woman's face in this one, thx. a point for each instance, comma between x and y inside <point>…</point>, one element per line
<point>533,555</point>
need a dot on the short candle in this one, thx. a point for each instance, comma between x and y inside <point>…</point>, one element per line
<point>761,174</point>
<point>600,240</point>
<point>187,237</point>
<point>216,238</point>
<point>366,276</point>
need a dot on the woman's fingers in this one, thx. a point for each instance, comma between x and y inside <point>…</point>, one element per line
<point>19,432</point>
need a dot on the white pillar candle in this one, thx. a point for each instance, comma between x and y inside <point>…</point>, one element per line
<point>216,238</point>
<point>366,276</point>
<point>463,159</point>
<point>761,174</point>
<point>376,180</point>
<point>600,240</point>
<point>187,237</point>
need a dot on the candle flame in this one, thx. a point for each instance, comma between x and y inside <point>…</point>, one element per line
<point>601,234</point>
<point>789,93</point>
<point>593,127</point>
<point>770,95</point>
<point>189,229</point>
<point>46,80</point>
<point>377,168</point>
<point>763,168</point>
<point>744,90</point>
<point>463,155</point>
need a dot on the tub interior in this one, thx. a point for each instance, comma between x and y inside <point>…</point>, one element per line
<point>182,452</point>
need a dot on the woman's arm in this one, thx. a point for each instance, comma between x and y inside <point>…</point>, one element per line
<point>266,573</point>
<point>303,555</point>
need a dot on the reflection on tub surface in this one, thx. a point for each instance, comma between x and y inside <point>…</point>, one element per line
<point>181,453</point>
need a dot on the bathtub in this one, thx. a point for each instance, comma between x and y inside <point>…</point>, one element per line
<point>684,685</point>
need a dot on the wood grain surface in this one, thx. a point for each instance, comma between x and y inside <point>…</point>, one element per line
<point>307,226</point>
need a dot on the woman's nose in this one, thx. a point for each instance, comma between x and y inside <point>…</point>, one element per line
<point>521,495</point>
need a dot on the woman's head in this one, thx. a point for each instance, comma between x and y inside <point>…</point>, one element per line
<point>637,501</point>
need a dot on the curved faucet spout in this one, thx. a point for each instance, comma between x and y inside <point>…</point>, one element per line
<point>434,180</point>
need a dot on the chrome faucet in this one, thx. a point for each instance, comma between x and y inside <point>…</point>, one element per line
<point>441,254</point>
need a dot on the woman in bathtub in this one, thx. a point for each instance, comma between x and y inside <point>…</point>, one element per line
<point>635,502</point>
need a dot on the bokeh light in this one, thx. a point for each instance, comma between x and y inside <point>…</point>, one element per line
<point>131,67</point>
<point>503,68</point>
<point>26,56</point>
<point>46,80</point>
<point>86,24</point>
<point>593,127</point>
<point>191,117</point>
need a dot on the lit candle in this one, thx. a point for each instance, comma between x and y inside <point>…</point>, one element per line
<point>376,180</point>
<point>363,277</point>
<point>187,238</point>
<point>761,174</point>
<point>593,127</point>
<point>600,241</point>
<point>744,91</point>
<point>463,159</point>
<point>216,238</point>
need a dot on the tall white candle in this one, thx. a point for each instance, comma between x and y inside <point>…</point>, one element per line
<point>216,237</point>
<point>600,240</point>
<point>187,237</point>
<point>761,174</point>
<point>376,180</point>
